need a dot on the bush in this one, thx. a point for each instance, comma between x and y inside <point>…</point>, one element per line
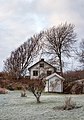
<point>3,91</point>
<point>69,104</point>
<point>19,87</point>
<point>10,87</point>
<point>23,93</point>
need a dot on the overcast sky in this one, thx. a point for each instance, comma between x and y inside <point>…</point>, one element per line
<point>20,19</point>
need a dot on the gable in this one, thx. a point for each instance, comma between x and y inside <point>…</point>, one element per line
<point>40,64</point>
<point>55,76</point>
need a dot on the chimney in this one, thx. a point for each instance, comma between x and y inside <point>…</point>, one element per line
<point>42,59</point>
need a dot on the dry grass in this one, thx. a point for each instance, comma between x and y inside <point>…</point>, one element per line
<point>69,104</point>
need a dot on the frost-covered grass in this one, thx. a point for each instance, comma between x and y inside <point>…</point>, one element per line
<point>15,107</point>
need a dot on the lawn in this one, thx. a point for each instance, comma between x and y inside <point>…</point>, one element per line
<point>15,107</point>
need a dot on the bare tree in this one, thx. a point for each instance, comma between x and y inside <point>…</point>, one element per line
<point>36,87</point>
<point>81,53</point>
<point>16,65</point>
<point>60,40</point>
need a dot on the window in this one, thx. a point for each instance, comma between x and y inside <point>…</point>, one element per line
<point>49,72</point>
<point>35,73</point>
<point>41,64</point>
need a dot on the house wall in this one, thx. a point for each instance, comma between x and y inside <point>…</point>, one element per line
<point>40,70</point>
<point>54,84</point>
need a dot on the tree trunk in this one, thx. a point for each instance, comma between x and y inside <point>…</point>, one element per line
<point>38,99</point>
<point>60,62</point>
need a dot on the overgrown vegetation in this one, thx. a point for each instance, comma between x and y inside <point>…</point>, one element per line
<point>71,85</point>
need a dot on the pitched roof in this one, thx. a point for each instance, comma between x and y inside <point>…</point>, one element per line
<point>54,74</point>
<point>42,60</point>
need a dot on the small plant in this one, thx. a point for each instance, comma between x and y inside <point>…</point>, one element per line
<point>23,93</point>
<point>69,104</point>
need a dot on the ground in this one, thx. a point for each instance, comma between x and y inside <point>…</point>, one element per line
<point>15,107</point>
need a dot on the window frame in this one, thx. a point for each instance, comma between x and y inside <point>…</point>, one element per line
<point>48,72</point>
<point>42,65</point>
<point>35,72</point>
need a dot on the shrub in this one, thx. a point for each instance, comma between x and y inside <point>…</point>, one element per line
<point>10,87</point>
<point>23,93</point>
<point>3,91</point>
<point>19,87</point>
<point>69,104</point>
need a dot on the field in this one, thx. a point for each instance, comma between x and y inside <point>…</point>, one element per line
<point>15,107</point>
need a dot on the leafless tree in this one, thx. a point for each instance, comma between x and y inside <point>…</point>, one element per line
<point>81,53</point>
<point>16,65</point>
<point>36,87</point>
<point>59,41</point>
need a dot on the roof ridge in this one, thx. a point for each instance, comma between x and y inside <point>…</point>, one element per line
<point>39,62</point>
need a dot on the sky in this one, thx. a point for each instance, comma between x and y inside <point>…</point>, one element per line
<point>20,19</point>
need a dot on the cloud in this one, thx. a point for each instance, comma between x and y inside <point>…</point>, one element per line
<point>56,12</point>
<point>20,19</point>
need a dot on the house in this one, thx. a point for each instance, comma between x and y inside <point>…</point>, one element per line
<point>41,69</point>
<point>44,70</point>
<point>54,83</point>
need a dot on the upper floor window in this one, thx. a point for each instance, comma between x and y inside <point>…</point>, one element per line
<point>41,64</point>
<point>35,73</point>
<point>49,72</point>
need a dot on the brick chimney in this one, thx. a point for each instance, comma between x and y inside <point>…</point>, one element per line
<point>42,59</point>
